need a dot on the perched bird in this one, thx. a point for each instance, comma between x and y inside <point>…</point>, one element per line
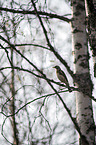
<point>61,76</point>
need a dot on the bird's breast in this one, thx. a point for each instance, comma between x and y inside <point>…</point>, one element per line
<point>62,78</point>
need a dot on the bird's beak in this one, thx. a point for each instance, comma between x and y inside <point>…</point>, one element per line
<point>54,67</point>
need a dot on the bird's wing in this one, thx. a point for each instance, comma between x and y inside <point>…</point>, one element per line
<point>62,73</point>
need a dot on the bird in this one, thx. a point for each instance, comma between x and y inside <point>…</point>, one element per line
<point>62,77</point>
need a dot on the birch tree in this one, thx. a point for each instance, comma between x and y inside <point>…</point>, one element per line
<point>83,81</point>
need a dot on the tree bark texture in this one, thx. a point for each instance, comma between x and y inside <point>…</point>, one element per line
<point>84,112</point>
<point>91,26</point>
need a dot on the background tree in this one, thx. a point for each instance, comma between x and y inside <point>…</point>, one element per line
<point>34,37</point>
<point>91,26</point>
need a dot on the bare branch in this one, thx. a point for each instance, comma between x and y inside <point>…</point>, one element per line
<point>50,15</point>
<point>31,44</point>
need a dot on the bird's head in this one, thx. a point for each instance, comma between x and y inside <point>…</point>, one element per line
<point>57,67</point>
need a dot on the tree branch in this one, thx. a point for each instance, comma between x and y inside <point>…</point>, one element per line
<point>50,15</point>
<point>31,44</point>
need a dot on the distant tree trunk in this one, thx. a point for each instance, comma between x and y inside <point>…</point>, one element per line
<point>91,14</point>
<point>12,105</point>
<point>13,93</point>
<point>84,110</point>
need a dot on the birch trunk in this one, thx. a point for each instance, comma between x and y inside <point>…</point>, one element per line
<point>91,14</point>
<point>84,110</point>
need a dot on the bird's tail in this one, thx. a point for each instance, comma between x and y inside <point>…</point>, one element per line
<point>69,89</point>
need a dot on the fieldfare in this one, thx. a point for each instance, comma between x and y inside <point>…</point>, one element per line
<point>62,77</point>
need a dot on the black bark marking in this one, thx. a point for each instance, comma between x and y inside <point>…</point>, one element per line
<point>78,46</point>
<point>84,82</point>
<point>79,56</point>
<point>80,7</point>
<point>84,61</point>
<point>76,30</point>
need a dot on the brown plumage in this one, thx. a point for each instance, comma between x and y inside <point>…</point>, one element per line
<point>61,76</point>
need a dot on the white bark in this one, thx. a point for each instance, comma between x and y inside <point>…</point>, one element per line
<point>81,68</point>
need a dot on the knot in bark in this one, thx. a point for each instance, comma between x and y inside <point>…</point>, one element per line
<point>84,83</point>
